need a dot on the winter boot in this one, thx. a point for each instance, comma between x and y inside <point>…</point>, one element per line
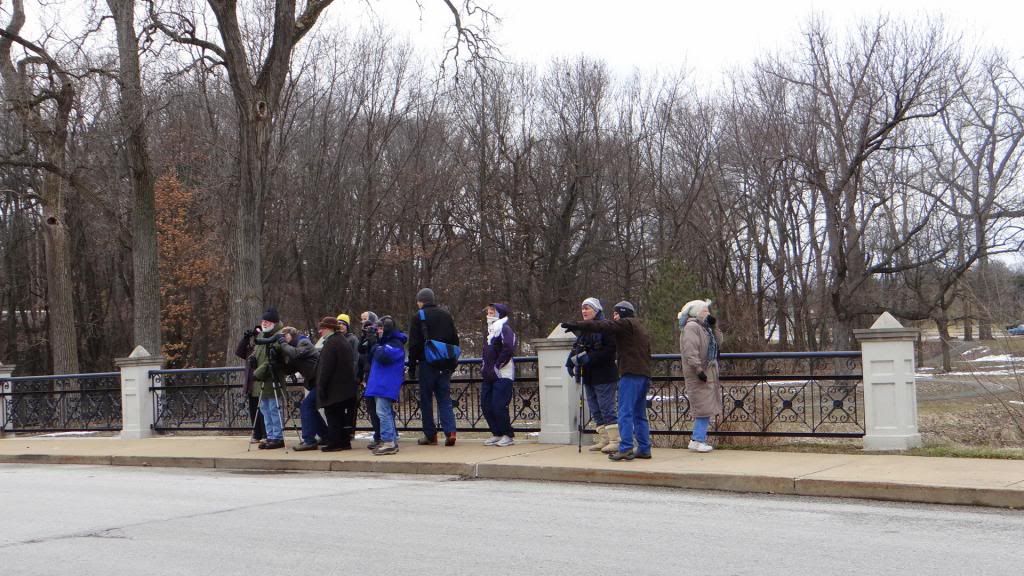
<point>612,432</point>
<point>600,439</point>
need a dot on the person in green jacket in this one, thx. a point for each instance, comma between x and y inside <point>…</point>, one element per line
<point>268,379</point>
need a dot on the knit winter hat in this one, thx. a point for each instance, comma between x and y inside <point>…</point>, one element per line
<point>594,304</point>
<point>625,309</point>
<point>425,296</point>
<point>388,324</point>
<point>692,308</point>
<point>271,315</point>
<point>371,317</point>
<point>344,319</point>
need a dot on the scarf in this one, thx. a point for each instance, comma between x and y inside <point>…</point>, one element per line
<point>712,344</point>
<point>494,329</point>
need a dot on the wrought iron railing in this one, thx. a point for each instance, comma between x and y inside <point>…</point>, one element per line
<point>69,402</point>
<point>767,394</point>
<point>213,399</point>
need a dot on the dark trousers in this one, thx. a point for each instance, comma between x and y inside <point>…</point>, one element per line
<point>313,426</point>
<point>371,408</point>
<point>494,400</point>
<point>436,384</point>
<point>339,422</point>
<point>259,431</point>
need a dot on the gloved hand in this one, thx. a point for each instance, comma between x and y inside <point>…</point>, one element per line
<point>581,359</point>
<point>571,369</point>
<point>570,326</point>
<point>281,339</point>
<point>702,376</point>
<point>712,321</point>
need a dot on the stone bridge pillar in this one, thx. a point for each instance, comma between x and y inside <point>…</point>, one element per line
<point>890,394</point>
<point>559,395</point>
<point>136,398</point>
<point>5,386</point>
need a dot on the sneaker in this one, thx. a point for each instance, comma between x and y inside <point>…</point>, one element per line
<point>427,441</point>
<point>506,441</point>
<point>642,455</point>
<point>492,440</point>
<point>373,445</point>
<point>702,447</point>
<point>692,445</point>
<point>386,448</point>
<point>303,447</point>
<point>449,439</point>
<point>619,456</point>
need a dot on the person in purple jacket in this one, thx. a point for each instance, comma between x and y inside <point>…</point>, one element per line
<point>498,372</point>
<point>387,372</point>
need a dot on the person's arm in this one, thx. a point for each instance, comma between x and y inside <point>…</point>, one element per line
<point>387,354</point>
<point>603,326</point>
<point>328,362</point>
<point>689,348</point>
<point>455,331</point>
<point>415,341</point>
<point>508,346</point>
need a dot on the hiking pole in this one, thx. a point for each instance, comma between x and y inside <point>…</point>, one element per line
<point>579,419</point>
<point>255,419</point>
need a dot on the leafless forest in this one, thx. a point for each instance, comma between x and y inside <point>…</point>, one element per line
<point>168,168</point>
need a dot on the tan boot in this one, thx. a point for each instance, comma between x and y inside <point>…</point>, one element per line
<point>611,431</point>
<point>600,439</point>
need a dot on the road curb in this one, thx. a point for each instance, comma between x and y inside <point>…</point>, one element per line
<point>920,493</point>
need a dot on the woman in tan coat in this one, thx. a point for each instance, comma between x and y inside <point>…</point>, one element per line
<point>699,339</point>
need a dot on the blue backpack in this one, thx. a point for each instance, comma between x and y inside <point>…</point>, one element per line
<point>440,355</point>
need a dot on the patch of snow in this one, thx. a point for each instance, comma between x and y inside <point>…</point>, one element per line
<point>1016,402</point>
<point>60,434</point>
<point>999,358</point>
<point>973,350</point>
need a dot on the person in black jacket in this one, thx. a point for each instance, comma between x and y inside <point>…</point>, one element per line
<point>366,343</point>
<point>301,356</point>
<point>435,379</point>
<point>593,359</point>
<point>245,350</point>
<point>336,386</point>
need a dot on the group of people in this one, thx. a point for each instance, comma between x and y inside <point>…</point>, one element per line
<point>340,362</point>
<point>611,359</point>
<point>616,353</point>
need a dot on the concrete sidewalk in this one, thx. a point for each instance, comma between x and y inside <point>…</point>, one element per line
<point>998,483</point>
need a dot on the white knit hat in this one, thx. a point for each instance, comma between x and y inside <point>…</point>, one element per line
<point>594,303</point>
<point>692,308</point>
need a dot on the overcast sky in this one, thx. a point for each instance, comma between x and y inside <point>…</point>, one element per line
<point>703,37</point>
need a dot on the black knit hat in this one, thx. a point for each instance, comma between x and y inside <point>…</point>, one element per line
<point>425,296</point>
<point>271,315</point>
<point>625,309</point>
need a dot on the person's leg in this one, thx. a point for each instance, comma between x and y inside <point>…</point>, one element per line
<point>371,408</point>
<point>385,413</point>
<point>641,426</point>
<point>444,403</point>
<point>312,423</point>
<point>272,418</point>
<point>428,380</point>
<point>487,407</point>
<point>259,429</point>
<point>500,401</point>
<point>604,396</point>
<point>700,429</point>
<point>628,388</point>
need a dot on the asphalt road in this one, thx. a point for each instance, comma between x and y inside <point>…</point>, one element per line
<point>81,520</point>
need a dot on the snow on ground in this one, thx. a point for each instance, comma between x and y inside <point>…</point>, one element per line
<point>999,358</point>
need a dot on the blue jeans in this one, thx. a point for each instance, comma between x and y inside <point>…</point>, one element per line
<point>313,424</point>
<point>435,384</point>
<point>601,401</point>
<point>700,429</point>
<point>386,413</point>
<point>494,400</point>
<point>272,418</point>
<point>633,413</point>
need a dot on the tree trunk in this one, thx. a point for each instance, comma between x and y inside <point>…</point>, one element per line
<point>60,315</point>
<point>145,273</point>
<point>982,291</point>
<point>942,323</point>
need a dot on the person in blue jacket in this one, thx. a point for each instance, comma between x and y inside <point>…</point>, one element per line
<point>387,372</point>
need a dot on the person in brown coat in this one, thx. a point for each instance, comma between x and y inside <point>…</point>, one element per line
<point>633,349</point>
<point>336,385</point>
<point>699,340</point>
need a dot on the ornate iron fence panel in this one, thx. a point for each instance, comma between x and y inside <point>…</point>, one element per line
<point>64,403</point>
<point>213,399</point>
<point>767,394</point>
